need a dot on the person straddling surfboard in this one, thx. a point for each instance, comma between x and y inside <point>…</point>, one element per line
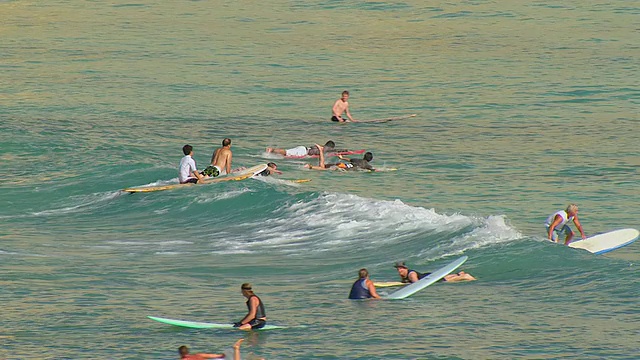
<point>363,287</point>
<point>556,224</point>
<point>301,151</point>
<point>220,160</point>
<point>340,107</point>
<point>349,164</point>
<point>184,353</point>
<point>256,317</point>
<point>187,171</point>
<point>410,276</point>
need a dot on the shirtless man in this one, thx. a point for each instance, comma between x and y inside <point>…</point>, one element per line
<point>221,158</point>
<point>352,164</point>
<point>410,276</point>
<point>341,106</point>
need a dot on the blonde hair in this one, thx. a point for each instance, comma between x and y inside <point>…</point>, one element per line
<point>572,208</point>
<point>363,273</point>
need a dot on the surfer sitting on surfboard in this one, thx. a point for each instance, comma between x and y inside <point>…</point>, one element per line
<point>301,151</point>
<point>220,160</point>
<point>256,317</point>
<point>340,106</point>
<point>188,172</point>
<point>557,224</point>
<point>363,287</point>
<point>184,353</point>
<point>352,164</point>
<point>410,276</point>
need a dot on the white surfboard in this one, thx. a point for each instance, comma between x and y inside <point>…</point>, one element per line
<point>609,241</point>
<point>427,280</point>
<point>205,325</point>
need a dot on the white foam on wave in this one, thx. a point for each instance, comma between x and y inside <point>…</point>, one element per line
<point>84,202</point>
<point>204,198</point>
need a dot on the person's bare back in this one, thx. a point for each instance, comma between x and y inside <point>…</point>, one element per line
<point>222,157</point>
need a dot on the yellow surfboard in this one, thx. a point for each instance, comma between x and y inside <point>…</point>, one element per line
<point>388,284</point>
<point>243,174</point>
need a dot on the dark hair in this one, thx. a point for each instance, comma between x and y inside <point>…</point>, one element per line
<point>272,164</point>
<point>345,92</point>
<point>226,142</point>
<point>368,156</point>
<point>330,144</point>
<point>183,350</point>
<point>187,149</point>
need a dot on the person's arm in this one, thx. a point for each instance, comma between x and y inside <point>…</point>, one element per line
<point>229,156</point>
<point>210,356</point>
<point>236,349</point>
<point>553,225</point>
<point>413,277</point>
<point>214,157</point>
<point>195,172</point>
<point>253,308</point>
<point>372,290</point>
<point>577,222</point>
<point>336,109</point>
<point>349,114</point>
<point>344,158</point>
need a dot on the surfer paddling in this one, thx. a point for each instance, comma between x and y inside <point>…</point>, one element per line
<point>184,353</point>
<point>340,107</point>
<point>410,276</point>
<point>557,224</point>
<point>363,288</point>
<point>349,164</point>
<point>256,317</point>
<point>271,169</point>
<point>188,172</point>
<point>301,151</point>
<point>220,160</point>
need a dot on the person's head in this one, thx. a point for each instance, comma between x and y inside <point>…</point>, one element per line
<point>572,209</point>
<point>272,165</point>
<point>368,156</point>
<point>345,95</point>
<point>226,142</point>
<point>363,274</point>
<point>330,144</point>
<point>403,270</point>
<point>246,289</point>
<point>183,350</point>
<point>187,149</point>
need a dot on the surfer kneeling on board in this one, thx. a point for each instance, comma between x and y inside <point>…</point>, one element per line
<point>184,353</point>
<point>352,164</point>
<point>557,224</point>
<point>341,106</point>
<point>410,276</point>
<point>256,317</point>
<point>363,288</point>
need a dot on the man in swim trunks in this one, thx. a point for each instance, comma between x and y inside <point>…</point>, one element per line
<point>557,224</point>
<point>363,288</point>
<point>184,353</point>
<point>352,164</point>
<point>410,276</point>
<point>187,171</point>
<point>301,151</point>
<point>341,106</point>
<point>221,159</point>
<point>256,317</point>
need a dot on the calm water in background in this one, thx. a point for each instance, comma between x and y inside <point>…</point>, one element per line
<point>522,108</point>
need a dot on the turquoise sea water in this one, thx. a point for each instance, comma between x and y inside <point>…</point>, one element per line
<point>522,108</point>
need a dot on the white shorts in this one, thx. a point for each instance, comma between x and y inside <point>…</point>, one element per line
<point>222,172</point>
<point>566,230</point>
<point>297,151</point>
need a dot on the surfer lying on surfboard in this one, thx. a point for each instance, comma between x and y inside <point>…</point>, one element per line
<point>184,353</point>
<point>352,164</point>
<point>410,276</point>
<point>302,151</point>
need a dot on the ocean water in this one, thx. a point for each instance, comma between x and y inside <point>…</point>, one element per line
<point>523,108</point>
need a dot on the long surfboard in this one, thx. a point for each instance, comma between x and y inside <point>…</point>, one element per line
<point>427,280</point>
<point>241,175</point>
<point>205,325</point>
<point>609,241</point>
<point>387,119</point>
